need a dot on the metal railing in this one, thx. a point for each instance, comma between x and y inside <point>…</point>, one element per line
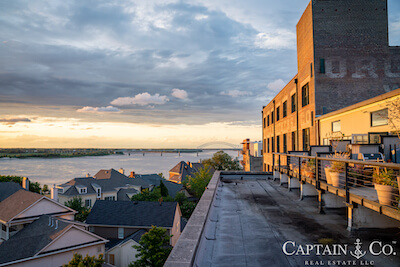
<point>352,179</point>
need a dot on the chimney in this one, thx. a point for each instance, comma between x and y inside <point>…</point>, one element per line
<point>87,174</point>
<point>54,193</point>
<point>132,175</point>
<point>160,200</point>
<point>25,183</point>
<point>121,170</point>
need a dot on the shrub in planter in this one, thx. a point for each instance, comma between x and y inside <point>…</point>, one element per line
<point>385,185</point>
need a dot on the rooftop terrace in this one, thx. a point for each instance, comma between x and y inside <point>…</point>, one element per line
<point>244,219</point>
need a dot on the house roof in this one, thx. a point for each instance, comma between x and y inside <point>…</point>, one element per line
<point>155,180</point>
<point>183,169</point>
<point>34,238</point>
<point>117,242</point>
<point>16,203</point>
<point>108,180</point>
<point>126,194</point>
<point>132,213</point>
<point>7,189</point>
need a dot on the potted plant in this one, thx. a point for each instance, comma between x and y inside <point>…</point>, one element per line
<point>385,185</point>
<point>328,174</point>
<point>337,167</point>
<point>310,168</point>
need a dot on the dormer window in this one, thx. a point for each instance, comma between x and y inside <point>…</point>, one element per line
<point>81,189</point>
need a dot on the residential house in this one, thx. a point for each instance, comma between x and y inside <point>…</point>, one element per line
<point>19,207</point>
<point>49,241</point>
<point>121,252</point>
<point>105,185</point>
<point>118,220</point>
<point>333,71</point>
<point>182,170</point>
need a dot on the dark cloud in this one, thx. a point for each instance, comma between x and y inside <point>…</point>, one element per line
<point>11,121</point>
<point>62,56</point>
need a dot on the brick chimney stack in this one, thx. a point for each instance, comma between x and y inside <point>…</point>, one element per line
<point>132,175</point>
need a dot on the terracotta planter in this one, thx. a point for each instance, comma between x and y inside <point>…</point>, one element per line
<point>335,178</point>
<point>328,175</point>
<point>385,194</point>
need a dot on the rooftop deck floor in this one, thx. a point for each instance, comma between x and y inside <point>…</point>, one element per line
<point>250,220</point>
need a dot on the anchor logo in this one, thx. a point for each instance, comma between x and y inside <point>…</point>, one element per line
<point>358,253</point>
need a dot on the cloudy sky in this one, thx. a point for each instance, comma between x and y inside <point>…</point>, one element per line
<point>154,73</point>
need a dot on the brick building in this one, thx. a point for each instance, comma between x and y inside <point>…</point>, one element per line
<point>343,57</point>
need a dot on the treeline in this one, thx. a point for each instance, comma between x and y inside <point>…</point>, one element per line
<point>53,153</point>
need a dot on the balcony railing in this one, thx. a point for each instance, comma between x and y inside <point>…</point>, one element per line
<point>374,185</point>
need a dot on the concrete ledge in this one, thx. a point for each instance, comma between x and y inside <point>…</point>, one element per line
<point>185,249</point>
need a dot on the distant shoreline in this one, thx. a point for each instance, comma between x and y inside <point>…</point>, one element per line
<point>21,153</point>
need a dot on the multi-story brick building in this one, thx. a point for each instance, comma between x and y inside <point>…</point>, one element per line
<point>343,57</point>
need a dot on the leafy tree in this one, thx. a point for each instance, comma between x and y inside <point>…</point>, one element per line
<point>197,183</point>
<point>161,175</point>
<point>154,248</point>
<point>163,189</point>
<point>76,204</point>
<point>180,198</point>
<point>221,161</point>
<point>89,261</point>
<point>33,186</point>
<point>45,188</point>
<point>187,208</point>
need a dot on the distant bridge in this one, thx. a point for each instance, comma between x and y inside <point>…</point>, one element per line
<point>219,144</point>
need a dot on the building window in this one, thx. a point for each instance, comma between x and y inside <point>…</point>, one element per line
<point>268,120</point>
<point>379,118</point>
<point>88,203</point>
<point>264,122</point>
<point>278,144</point>
<point>294,141</point>
<point>284,143</point>
<point>312,118</point>
<point>375,138</point>
<point>91,229</point>
<point>272,116</point>
<point>83,191</point>
<point>336,126</point>
<point>284,109</point>
<point>305,95</point>
<point>293,103</point>
<point>120,233</point>
<point>268,145</point>
<point>306,139</point>
<point>359,139</point>
<point>272,144</point>
<point>277,113</point>
<point>311,71</point>
<point>322,65</point>
<point>110,198</point>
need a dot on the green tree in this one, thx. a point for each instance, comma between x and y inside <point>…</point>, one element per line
<point>197,183</point>
<point>76,204</point>
<point>45,188</point>
<point>154,248</point>
<point>89,261</point>
<point>221,161</point>
<point>163,189</point>
<point>187,208</point>
<point>34,187</point>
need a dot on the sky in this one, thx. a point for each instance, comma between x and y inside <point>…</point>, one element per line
<point>144,74</point>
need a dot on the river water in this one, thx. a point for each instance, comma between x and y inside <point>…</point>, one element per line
<point>60,170</point>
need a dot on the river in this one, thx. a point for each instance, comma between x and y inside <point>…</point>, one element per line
<point>60,170</point>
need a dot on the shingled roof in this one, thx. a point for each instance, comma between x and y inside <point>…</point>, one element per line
<point>34,238</point>
<point>16,203</point>
<point>108,180</point>
<point>155,180</point>
<point>132,213</point>
<point>180,171</point>
<point>7,189</point>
